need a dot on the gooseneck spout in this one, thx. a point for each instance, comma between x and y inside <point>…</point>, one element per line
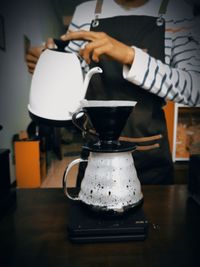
<point>89,75</point>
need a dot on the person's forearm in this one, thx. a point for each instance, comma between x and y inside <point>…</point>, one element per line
<point>158,78</point>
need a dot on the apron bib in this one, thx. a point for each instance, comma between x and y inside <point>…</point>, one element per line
<point>146,125</point>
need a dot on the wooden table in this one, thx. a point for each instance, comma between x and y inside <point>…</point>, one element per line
<point>34,233</point>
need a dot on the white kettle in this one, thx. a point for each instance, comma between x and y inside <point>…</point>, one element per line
<point>58,85</point>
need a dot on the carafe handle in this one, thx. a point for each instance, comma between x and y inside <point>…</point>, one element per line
<point>80,127</point>
<point>74,119</point>
<point>65,176</point>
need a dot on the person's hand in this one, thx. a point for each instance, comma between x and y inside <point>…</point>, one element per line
<point>34,53</point>
<point>101,44</point>
<point>32,57</point>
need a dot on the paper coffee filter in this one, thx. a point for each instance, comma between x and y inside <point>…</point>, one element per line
<point>107,103</point>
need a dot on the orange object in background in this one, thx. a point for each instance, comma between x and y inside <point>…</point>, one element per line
<point>182,148</point>
<point>169,115</point>
<point>30,164</point>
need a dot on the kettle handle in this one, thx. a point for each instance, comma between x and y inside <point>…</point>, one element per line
<point>60,45</point>
<point>65,176</point>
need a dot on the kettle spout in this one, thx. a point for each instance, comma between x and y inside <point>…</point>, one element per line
<point>89,76</point>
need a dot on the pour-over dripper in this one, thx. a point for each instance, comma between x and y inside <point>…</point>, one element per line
<point>108,118</point>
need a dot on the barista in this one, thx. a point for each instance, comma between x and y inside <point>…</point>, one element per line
<point>147,57</point>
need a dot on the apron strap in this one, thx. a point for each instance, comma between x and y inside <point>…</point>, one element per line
<point>141,139</point>
<point>162,11</point>
<point>163,7</point>
<point>97,11</point>
<point>98,7</point>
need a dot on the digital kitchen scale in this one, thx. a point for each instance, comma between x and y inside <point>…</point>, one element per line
<point>86,225</point>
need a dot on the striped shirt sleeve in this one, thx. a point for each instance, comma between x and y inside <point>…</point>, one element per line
<point>80,22</point>
<point>178,79</point>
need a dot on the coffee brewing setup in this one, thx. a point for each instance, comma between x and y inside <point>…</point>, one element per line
<point>108,204</point>
<point>110,182</point>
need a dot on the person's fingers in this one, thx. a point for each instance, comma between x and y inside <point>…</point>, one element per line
<point>100,44</point>
<point>88,51</point>
<point>82,35</point>
<point>31,58</point>
<point>35,51</point>
<point>50,43</point>
<point>100,51</point>
<point>31,70</point>
<point>31,65</point>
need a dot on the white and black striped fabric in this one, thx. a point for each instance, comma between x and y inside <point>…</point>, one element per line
<point>176,79</point>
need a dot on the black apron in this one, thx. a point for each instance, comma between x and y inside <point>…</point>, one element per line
<point>146,126</point>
